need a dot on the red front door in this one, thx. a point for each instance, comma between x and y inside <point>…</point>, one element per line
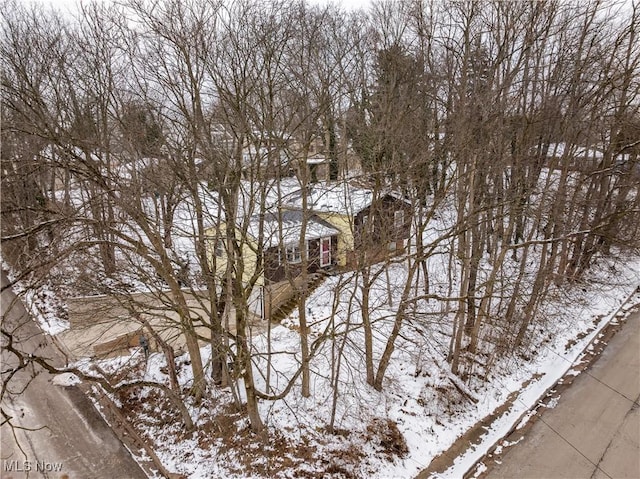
<point>325,252</point>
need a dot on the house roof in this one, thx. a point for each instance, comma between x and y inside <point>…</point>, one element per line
<point>283,203</point>
<point>250,197</point>
<point>287,225</point>
<point>341,198</point>
<point>280,223</point>
<point>317,160</point>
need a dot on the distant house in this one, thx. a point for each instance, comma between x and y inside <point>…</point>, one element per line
<point>579,158</point>
<point>318,167</point>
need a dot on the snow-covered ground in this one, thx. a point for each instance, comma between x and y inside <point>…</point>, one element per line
<point>417,397</point>
<point>346,428</point>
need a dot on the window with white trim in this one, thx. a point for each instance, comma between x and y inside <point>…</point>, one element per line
<point>292,253</point>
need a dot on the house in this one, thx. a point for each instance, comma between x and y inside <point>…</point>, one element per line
<point>379,224</point>
<point>283,257</point>
<point>282,247</point>
<point>282,239</point>
<point>288,240</point>
<point>580,158</point>
<point>324,227</point>
<point>318,167</point>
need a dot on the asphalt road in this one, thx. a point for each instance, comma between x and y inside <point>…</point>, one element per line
<point>594,431</point>
<point>68,437</point>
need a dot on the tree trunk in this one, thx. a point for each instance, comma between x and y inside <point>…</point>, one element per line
<point>244,361</point>
<point>366,326</point>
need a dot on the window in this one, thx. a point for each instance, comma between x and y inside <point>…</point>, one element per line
<point>219,248</point>
<point>293,254</point>
<point>398,219</point>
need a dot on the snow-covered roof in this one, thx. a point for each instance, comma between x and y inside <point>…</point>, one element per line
<point>279,222</point>
<point>250,197</point>
<point>287,225</point>
<point>317,160</point>
<point>339,198</point>
<point>283,203</point>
